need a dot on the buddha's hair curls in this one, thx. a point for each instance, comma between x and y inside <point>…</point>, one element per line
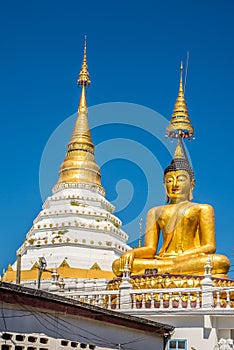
<point>180,164</point>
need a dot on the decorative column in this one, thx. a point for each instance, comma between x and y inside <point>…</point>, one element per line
<point>54,287</point>
<point>125,288</point>
<point>207,287</point>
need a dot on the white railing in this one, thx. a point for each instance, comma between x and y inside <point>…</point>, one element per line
<point>223,297</point>
<point>166,298</point>
<point>106,299</point>
<point>163,299</point>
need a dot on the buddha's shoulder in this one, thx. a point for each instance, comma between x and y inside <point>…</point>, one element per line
<point>204,207</point>
<point>201,209</point>
<point>157,210</point>
<point>201,205</point>
<point>152,210</point>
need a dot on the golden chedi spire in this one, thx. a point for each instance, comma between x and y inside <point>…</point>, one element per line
<point>79,165</point>
<point>180,124</point>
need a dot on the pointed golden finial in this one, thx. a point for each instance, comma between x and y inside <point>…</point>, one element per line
<point>83,79</point>
<point>178,151</point>
<point>79,166</point>
<point>180,124</point>
<point>181,72</point>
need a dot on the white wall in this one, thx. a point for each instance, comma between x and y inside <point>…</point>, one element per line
<point>201,331</point>
<point>31,320</point>
<point>39,341</point>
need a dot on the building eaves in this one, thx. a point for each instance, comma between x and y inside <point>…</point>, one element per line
<point>19,295</point>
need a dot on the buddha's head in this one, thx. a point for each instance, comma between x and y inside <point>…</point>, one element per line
<point>179,181</point>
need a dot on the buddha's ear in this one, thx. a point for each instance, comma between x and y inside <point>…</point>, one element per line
<point>193,182</point>
<point>167,197</point>
<point>191,194</point>
<point>191,190</point>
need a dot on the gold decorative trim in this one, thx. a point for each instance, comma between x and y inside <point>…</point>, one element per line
<point>95,267</point>
<point>35,266</point>
<point>164,281</point>
<point>65,271</point>
<point>64,264</point>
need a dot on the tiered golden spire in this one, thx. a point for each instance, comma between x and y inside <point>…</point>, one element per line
<point>79,165</point>
<point>180,124</point>
<point>180,105</point>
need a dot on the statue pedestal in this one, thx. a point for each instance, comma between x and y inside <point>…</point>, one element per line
<point>177,290</point>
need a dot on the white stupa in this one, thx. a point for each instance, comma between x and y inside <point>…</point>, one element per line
<point>76,231</point>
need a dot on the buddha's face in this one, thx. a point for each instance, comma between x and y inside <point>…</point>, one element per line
<point>178,185</point>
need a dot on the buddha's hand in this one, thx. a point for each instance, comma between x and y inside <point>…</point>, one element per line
<point>126,260</point>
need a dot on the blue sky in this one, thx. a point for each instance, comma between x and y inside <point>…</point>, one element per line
<point>134,52</point>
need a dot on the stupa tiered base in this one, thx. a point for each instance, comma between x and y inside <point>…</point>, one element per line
<point>76,232</point>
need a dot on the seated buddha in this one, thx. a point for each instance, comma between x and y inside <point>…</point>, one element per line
<point>187,228</point>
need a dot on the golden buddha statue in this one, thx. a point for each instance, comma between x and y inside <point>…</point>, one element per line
<point>188,228</point>
<point>188,231</point>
